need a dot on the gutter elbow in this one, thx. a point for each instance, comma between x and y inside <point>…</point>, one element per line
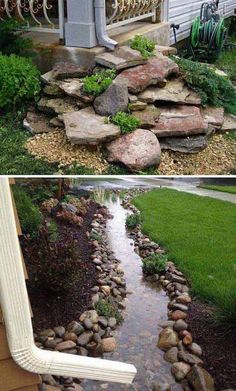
<point>100,23</point>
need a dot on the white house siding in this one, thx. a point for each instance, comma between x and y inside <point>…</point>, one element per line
<point>183,12</point>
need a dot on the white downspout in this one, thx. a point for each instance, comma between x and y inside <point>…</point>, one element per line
<point>100,23</point>
<point>16,314</point>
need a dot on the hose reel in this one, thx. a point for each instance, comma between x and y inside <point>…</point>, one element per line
<point>208,30</point>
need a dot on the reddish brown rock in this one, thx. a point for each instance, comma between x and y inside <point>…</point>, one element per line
<point>178,315</point>
<point>213,116</point>
<point>154,72</point>
<point>200,379</point>
<point>137,150</point>
<point>180,121</point>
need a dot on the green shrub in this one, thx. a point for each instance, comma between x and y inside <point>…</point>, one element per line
<point>109,309</point>
<point>29,214</point>
<point>144,45</point>
<point>19,81</point>
<point>126,122</point>
<point>11,40</point>
<point>154,264</point>
<point>53,231</point>
<point>133,220</point>
<point>94,236</point>
<point>212,88</point>
<point>99,82</point>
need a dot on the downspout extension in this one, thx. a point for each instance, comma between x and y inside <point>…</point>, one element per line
<point>16,314</point>
<point>100,25</point>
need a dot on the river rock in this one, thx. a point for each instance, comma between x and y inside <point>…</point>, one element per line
<point>122,57</point>
<point>200,379</point>
<point>171,355</point>
<point>57,106</point>
<point>91,315</point>
<point>65,345</point>
<point>108,344</point>
<point>194,348</point>
<point>147,117</point>
<point>180,121</point>
<point>113,100</point>
<point>183,299</point>
<point>136,150</point>
<point>154,72</point>
<point>75,327</point>
<point>189,358</point>
<point>112,322</point>
<point>178,315</point>
<point>180,325</point>
<point>180,370</point>
<point>213,116</point>
<point>59,331</point>
<point>86,127</point>
<point>37,123</point>
<point>85,338</point>
<point>168,338</point>
<point>175,91</point>
<point>70,337</point>
<point>48,333</point>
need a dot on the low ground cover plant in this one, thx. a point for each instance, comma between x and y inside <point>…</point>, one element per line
<point>108,309</point>
<point>133,220</point>
<point>29,213</point>
<point>154,264</point>
<point>127,122</point>
<point>225,189</point>
<point>19,82</point>
<point>99,82</point>
<point>199,235</point>
<point>213,89</point>
<point>144,45</point>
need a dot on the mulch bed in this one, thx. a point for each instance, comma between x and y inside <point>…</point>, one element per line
<point>219,348</point>
<point>51,309</point>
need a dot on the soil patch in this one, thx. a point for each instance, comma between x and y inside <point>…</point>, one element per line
<point>50,309</point>
<point>219,351</point>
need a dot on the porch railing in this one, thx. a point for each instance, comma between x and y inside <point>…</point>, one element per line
<point>121,12</point>
<point>38,15</point>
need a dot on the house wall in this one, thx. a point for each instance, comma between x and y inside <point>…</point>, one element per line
<point>183,12</point>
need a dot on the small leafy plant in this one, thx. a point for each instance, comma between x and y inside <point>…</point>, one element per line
<point>126,122</point>
<point>29,213</point>
<point>212,88</point>
<point>133,220</point>
<point>99,82</point>
<point>94,236</point>
<point>154,264</point>
<point>108,309</point>
<point>19,82</point>
<point>144,45</point>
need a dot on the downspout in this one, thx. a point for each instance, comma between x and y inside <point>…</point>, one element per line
<point>100,25</point>
<point>16,314</point>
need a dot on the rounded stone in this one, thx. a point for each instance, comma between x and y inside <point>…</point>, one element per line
<point>180,370</point>
<point>168,338</point>
<point>108,344</point>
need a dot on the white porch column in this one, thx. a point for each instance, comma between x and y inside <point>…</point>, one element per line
<point>80,26</point>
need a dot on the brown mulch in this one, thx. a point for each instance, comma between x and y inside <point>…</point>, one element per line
<point>53,309</point>
<point>219,348</point>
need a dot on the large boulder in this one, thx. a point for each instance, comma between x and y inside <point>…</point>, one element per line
<point>200,379</point>
<point>123,57</point>
<point>175,91</point>
<point>180,120</point>
<point>229,123</point>
<point>86,127</point>
<point>190,144</point>
<point>154,72</point>
<point>137,150</point>
<point>113,100</point>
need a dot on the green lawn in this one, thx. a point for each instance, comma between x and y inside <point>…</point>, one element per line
<point>199,234</point>
<point>225,189</point>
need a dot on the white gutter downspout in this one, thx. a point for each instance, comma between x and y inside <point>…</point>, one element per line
<point>100,23</point>
<point>16,314</point>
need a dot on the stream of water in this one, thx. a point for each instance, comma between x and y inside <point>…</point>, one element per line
<point>146,307</point>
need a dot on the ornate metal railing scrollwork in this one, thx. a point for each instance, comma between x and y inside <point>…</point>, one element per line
<point>45,15</point>
<point>121,12</point>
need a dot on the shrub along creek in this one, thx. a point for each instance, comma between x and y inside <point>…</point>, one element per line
<point>117,295</point>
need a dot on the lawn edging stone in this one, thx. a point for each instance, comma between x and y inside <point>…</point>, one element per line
<point>174,339</point>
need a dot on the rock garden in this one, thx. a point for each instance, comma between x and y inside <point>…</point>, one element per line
<point>116,296</point>
<point>135,110</point>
